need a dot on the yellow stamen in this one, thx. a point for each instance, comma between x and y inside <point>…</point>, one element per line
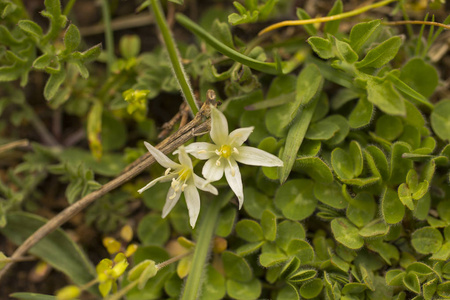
<point>225,151</point>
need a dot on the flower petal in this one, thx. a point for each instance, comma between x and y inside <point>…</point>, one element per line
<point>193,203</point>
<point>171,199</point>
<point>164,178</point>
<point>233,176</point>
<point>239,136</point>
<point>184,159</point>
<point>211,171</point>
<point>257,157</point>
<point>204,185</point>
<point>219,127</point>
<point>201,150</point>
<point>160,157</point>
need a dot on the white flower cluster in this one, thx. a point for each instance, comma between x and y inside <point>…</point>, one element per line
<point>222,157</point>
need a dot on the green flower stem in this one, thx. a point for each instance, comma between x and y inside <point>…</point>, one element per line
<point>124,291</point>
<point>174,56</point>
<point>269,68</point>
<point>202,247</point>
<point>68,7</point>
<point>108,34</point>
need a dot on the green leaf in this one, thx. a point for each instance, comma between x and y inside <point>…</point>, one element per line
<point>31,28</point>
<point>377,162</point>
<point>53,84</point>
<point>344,129</point>
<point>269,225</point>
<point>395,277</point>
<point>388,252</point>
<point>221,31</point>
<point>381,54</point>
<point>389,127</point>
<point>43,61</point>
<point>288,292</point>
<point>420,75</point>
<point>399,165</point>
<point>429,288</point>
<point>322,47</point>
<point>323,130</point>
<point>412,283</point>
<point>362,114</point>
<point>290,267</point>
<point>391,207</point>
<point>346,233</point>
<point>440,120</point>
<point>255,202</point>
<point>443,289</point>
<point>316,168</point>
<point>345,52</point>
<point>268,260</point>
<point>342,164</point>
<point>443,209</point>
<point>375,228</point>
<point>33,296</point>
<point>363,34</point>
<point>153,230</point>
<point>407,91</point>
<point>296,200</point>
<point>357,157</point>
<point>249,230</point>
<point>214,285</point>
<point>301,249</point>
<point>303,15</point>
<point>311,289</point>
<point>236,267</point>
<point>6,38</point>
<point>330,194</point>
<point>361,210</point>
<point>426,240</point>
<point>294,139</point>
<point>404,194</point>
<point>72,38</point>
<point>57,248</point>
<point>302,275</point>
<point>333,26</point>
<point>225,224</point>
<point>385,97</point>
<point>423,207</point>
<point>249,248</point>
<point>354,288</point>
<point>244,291</point>
<point>275,119</point>
<point>309,85</point>
<point>287,231</point>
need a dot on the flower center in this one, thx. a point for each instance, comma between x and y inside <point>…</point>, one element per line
<point>180,182</point>
<point>225,151</point>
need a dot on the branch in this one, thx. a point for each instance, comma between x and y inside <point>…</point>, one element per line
<point>201,124</point>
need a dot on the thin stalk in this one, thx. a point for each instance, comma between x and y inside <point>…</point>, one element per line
<point>40,127</point>
<point>206,230</point>
<point>109,38</point>
<point>174,56</point>
<point>430,23</point>
<point>326,19</point>
<point>123,291</point>
<point>269,68</point>
<point>68,7</point>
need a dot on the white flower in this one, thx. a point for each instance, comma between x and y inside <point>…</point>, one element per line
<point>226,150</point>
<point>183,180</point>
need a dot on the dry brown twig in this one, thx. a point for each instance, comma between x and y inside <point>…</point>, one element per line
<point>201,124</point>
